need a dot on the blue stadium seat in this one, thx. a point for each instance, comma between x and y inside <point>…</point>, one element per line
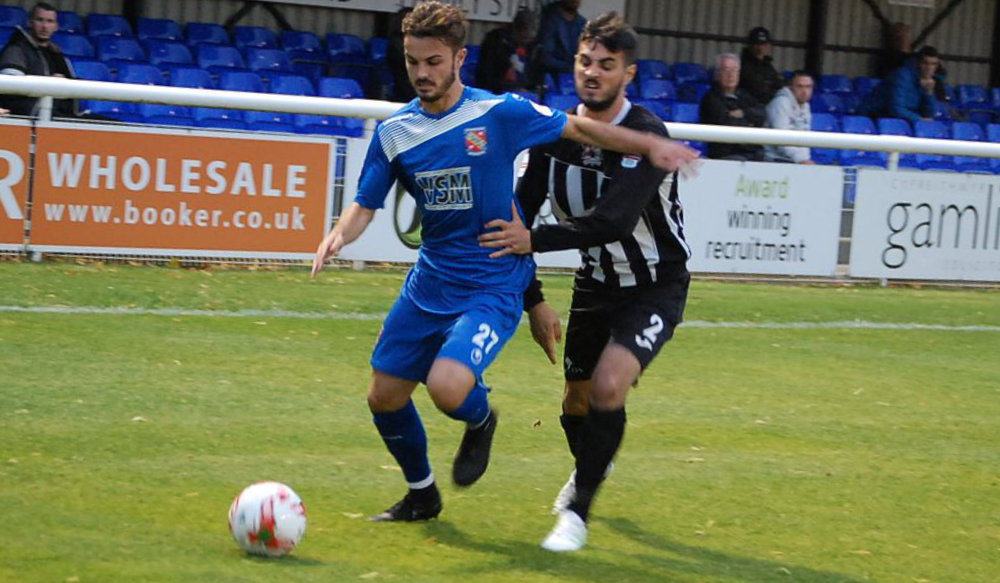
<point>827,103</point>
<point>377,48</point>
<point>970,132</point>
<point>561,102</point>
<point>362,73</point>
<point>863,86</point>
<point>340,88</point>
<point>70,22</point>
<point>210,117</point>
<point>256,37</point>
<point>859,124</point>
<point>314,70</point>
<point>269,121</point>
<point>167,52</point>
<point>197,33</point>
<point>317,124</point>
<point>653,69</point>
<point>685,113</point>
<point>825,122</point>
<point>661,109</point>
<point>241,81</point>
<point>659,89</point>
<point>172,115</point>
<point>90,70</point>
<point>267,60</point>
<point>345,47</point>
<point>119,49</point>
<point>118,110</point>
<point>565,84</point>
<point>108,25</point>
<point>218,58</point>
<point>692,91</point>
<point>288,84</point>
<point>993,136</point>
<point>687,72</point>
<point>972,97</point>
<point>5,33</point>
<point>936,130</point>
<point>301,45</point>
<point>835,84</point>
<point>159,28</point>
<point>74,45</point>
<point>893,126</point>
<point>140,74</point>
<point>472,54</point>
<point>13,16</point>
<point>193,77</point>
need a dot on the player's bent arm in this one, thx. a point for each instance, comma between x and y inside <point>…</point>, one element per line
<point>349,227</point>
<point>662,152</point>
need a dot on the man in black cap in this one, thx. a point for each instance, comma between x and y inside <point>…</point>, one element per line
<point>758,77</point>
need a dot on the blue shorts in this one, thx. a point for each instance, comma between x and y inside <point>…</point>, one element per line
<point>471,331</point>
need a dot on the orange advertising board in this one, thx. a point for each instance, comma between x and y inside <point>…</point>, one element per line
<point>119,190</point>
<point>15,141</point>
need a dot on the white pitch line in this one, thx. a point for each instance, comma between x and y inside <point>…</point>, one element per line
<point>124,311</point>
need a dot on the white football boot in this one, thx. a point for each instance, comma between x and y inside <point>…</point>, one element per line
<point>565,495</point>
<point>569,533</point>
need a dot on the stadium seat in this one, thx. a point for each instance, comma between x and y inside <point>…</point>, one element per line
<point>993,136</point>
<point>269,121</point>
<point>835,84</point>
<point>345,47</point>
<point>288,84</point>
<point>255,37</point>
<point>172,115</point>
<point>362,73</point>
<point>5,33</point>
<point>472,54</point>
<point>340,88</point>
<point>661,109</point>
<point>685,113</point>
<point>937,130</point>
<point>859,124</point>
<point>893,126</point>
<point>91,70</point>
<point>377,48</point>
<point>687,72</point>
<point>301,45</point>
<point>70,22</point>
<point>565,84</point>
<point>562,102</point>
<point>198,33</point>
<point>825,122</point>
<point>211,117</point>
<point>115,51</point>
<point>218,58</point>
<point>692,91</point>
<point>659,89</point>
<point>317,124</point>
<point>159,28</point>
<point>827,103</point>
<point>13,16</point>
<point>267,60</point>
<point>118,110</point>
<point>313,70</point>
<point>970,132</point>
<point>241,81</point>
<point>74,45</point>
<point>193,77</point>
<point>140,74</point>
<point>652,69</point>
<point>972,97</point>
<point>108,25</point>
<point>167,52</point>
<point>863,86</point>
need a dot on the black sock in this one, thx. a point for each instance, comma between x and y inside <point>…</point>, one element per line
<point>573,427</point>
<point>426,495</point>
<point>600,439</point>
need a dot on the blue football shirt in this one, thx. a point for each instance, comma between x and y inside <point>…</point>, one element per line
<point>459,167</point>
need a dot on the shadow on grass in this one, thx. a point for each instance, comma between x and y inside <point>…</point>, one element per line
<point>668,560</point>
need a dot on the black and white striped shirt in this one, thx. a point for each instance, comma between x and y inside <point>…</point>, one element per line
<point>620,211</point>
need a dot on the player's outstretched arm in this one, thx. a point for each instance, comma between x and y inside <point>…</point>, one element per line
<point>662,152</point>
<point>352,223</point>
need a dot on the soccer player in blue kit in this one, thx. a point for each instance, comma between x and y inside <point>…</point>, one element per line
<point>453,149</point>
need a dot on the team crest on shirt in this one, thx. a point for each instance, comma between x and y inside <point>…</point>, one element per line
<point>475,141</point>
<point>630,160</point>
<point>591,156</point>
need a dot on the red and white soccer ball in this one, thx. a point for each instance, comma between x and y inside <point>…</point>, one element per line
<point>267,518</point>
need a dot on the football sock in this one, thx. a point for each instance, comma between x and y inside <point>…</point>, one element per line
<point>600,439</point>
<point>475,409</point>
<point>404,436</point>
<point>573,427</point>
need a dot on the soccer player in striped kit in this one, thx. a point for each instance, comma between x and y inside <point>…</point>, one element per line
<point>624,215</point>
<point>453,149</point>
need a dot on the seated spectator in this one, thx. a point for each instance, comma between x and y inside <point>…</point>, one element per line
<point>32,52</point>
<point>789,110</point>
<point>509,56</point>
<point>559,32</point>
<point>897,48</point>
<point>727,104</point>
<point>758,75</point>
<point>908,92</point>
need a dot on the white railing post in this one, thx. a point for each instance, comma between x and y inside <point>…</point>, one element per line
<point>893,161</point>
<point>45,108</point>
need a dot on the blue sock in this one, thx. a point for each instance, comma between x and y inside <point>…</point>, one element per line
<point>475,408</point>
<point>404,436</point>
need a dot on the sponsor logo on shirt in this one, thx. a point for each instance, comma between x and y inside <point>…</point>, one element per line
<point>447,189</point>
<point>475,141</point>
<point>630,160</point>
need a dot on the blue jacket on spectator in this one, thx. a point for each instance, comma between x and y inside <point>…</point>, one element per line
<point>902,96</point>
<point>559,38</point>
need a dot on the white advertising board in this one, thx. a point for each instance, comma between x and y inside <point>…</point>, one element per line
<point>491,10</point>
<point>926,225</point>
<point>754,217</point>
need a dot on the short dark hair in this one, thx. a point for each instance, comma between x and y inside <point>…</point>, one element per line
<point>928,51</point>
<point>800,73</point>
<point>614,33</point>
<point>42,6</point>
<point>437,20</point>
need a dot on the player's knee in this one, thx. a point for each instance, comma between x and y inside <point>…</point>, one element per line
<point>609,388</point>
<point>447,393</point>
<point>385,401</point>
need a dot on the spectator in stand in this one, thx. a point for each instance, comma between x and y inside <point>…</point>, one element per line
<point>789,110</point>
<point>560,32</point>
<point>908,92</point>
<point>32,52</point>
<point>509,56</point>
<point>898,48</point>
<point>758,75</point>
<point>402,90</point>
<point>727,104</point>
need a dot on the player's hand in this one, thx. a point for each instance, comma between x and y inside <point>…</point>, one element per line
<point>675,156</point>
<point>329,247</point>
<point>510,236</point>
<point>545,328</point>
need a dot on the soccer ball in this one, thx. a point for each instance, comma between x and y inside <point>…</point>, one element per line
<point>267,518</point>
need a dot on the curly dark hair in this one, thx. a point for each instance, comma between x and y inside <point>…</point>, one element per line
<point>614,33</point>
<point>437,20</point>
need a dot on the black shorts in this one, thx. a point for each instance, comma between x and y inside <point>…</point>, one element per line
<point>640,319</point>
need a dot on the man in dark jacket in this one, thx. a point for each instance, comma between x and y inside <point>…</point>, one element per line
<point>32,52</point>
<point>509,57</point>
<point>729,105</point>
<point>758,75</point>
